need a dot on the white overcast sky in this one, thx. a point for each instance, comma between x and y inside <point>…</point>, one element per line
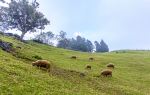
<point>122,24</point>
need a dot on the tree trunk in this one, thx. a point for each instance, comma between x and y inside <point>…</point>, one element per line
<point>22,35</point>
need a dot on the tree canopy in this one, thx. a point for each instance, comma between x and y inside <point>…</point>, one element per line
<point>24,16</point>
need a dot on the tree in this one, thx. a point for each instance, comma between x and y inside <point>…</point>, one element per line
<point>97,45</point>
<point>3,18</point>
<point>64,43</point>
<point>81,44</point>
<point>101,47</point>
<point>104,47</point>
<point>62,35</point>
<point>45,37</point>
<point>25,17</point>
<point>72,44</point>
<point>2,1</point>
<point>89,46</point>
<point>78,44</point>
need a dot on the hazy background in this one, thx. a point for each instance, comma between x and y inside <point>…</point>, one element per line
<point>123,24</point>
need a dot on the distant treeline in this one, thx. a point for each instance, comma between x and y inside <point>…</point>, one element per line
<point>79,43</point>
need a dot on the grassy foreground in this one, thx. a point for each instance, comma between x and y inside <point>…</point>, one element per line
<point>131,75</point>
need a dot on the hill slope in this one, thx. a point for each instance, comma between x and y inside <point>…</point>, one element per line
<point>18,77</point>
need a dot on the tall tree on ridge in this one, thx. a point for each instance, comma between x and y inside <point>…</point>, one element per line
<point>25,17</point>
<point>97,45</point>
<point>101,47</point>
<point>104,47</point>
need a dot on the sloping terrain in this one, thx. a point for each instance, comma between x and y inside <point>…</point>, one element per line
<point>131,75</point>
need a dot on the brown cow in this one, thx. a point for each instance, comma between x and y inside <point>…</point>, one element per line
<point>106,72</point>
<point>88,67</point>
<point>73,57</point>
<point>41,63</point>
<point>110,65</point>
<point>91,59</point>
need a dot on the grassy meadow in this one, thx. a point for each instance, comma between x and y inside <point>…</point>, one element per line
<point>131,75</point>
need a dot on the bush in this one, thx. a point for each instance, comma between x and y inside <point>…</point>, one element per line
<point>38,41</point>
<point>11,35</point>
<point>1,33</point>
<point>37,57</point>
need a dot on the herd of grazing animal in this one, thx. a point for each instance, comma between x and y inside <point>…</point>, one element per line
<point>46,64</point>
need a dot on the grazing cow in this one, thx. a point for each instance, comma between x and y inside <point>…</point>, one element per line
<point>91,59</point>
<point>110,65</point>
<point>73,57</point>
<point>88,67</point>
<point>41,63</point>
<point>106,72</point>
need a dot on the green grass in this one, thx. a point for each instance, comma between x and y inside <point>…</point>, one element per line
<point>131,75</point>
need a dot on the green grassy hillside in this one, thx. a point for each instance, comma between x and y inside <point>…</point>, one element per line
<point>131,75</point>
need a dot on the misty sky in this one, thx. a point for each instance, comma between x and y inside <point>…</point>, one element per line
<point>122,24</point>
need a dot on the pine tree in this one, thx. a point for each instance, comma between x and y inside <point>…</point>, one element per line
<point>103,46</point>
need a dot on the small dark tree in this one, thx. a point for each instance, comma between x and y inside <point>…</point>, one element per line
<point>64,43</point>
<point>25,17</point>
<point>62,35</point>
<point>72,44</point>
<point>104,47</point>
<point>101,47</point>
<point>81,44</point>
<point>89,46</point>
<point>45,37</point>
<point>98,47</point>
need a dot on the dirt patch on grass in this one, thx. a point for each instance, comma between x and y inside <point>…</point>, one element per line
<point>70,75</point>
